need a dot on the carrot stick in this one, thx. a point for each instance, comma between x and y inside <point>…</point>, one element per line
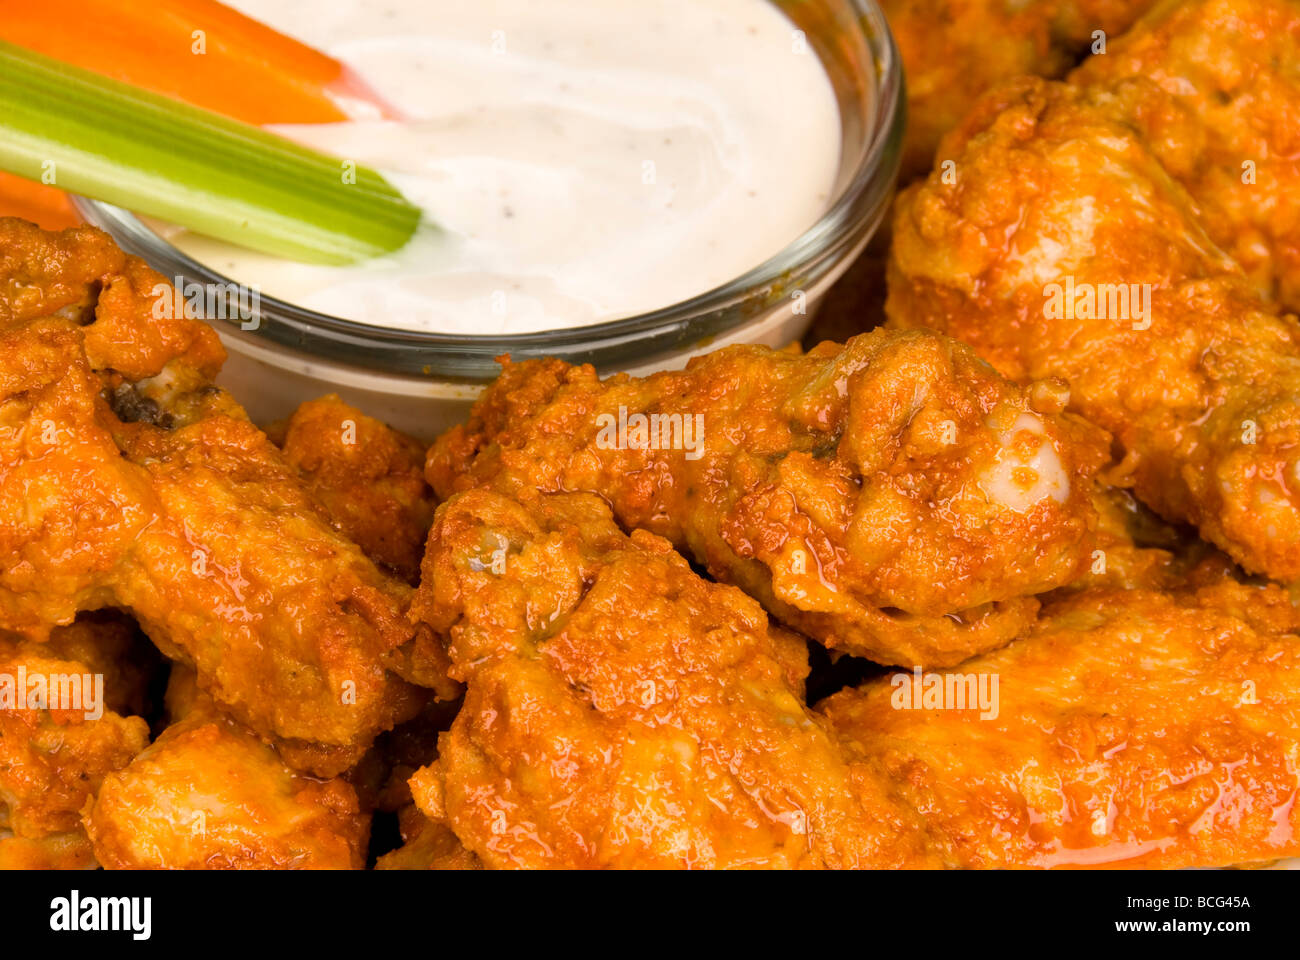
<point>45,206</point>
<point>199,51</point>
<point>247,71</point>
<point>169,159</point>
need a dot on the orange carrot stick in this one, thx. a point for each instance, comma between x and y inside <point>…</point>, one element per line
<point>46,206</point>
<point>199,51</point>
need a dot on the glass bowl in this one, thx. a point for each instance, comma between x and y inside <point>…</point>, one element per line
<point>423,382</point>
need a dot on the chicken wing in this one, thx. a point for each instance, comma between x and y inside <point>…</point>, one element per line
<point>1063,248</point>
<point>1214,87</point>
<point>893,498</point>
<point>954,50</point>
<point>128,480</point>
<point>65,724</point>
<point>208,794</point>
<point>367,477</point>
<point>621,711</point>
<point>1133,728</point>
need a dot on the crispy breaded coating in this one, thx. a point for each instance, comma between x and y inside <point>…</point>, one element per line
<point>158,496</point>
<point>621,711</point>
<point>208,794</point>
<point>893,498</point>
<point>1214,87</point>
<point>287,621</point>
<point>1065,249</point>
<point>954,50</point>
<point>55,753</point>
<point>1132,728</point>
<point>368,479</point>
<point>57,851</point>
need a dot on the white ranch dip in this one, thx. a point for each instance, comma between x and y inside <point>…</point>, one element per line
<point>586,159</point>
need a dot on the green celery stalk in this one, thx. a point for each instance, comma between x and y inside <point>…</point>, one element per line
<point>123,145</point>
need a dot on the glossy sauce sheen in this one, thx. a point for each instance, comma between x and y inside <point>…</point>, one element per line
<point>587,160</point>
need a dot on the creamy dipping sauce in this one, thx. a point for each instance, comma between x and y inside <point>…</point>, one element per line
<point>586,159</point>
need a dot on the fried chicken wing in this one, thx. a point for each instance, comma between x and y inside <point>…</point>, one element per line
<point>158,496</point>
<point>288,622</point>
<point>893,498</point>
<point>208,794</point>
<point>1133,728</point>
<point>621,711</point>
<point>954,50</point>
<point>368,478</point>
<point>1214,87</point>
<point>55,752</point>
<point>58,851</point>
<point>1065,249</point>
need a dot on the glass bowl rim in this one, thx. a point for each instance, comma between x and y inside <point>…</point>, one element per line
<point>702,316</point>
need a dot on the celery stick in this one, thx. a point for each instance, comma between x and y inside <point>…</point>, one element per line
<point>114,142</point>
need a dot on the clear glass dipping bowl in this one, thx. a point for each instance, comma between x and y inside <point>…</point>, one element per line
<point>424,382</point>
